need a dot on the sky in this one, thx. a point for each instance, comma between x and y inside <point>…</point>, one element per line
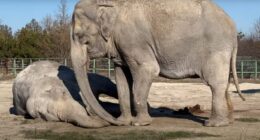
<point>17,13</point>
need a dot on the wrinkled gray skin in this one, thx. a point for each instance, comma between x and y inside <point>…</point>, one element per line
<point>49,91</point>
<point>146,38</point>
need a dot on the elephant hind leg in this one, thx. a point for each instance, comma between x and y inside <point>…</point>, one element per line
<point>220,109</point>
<point>216,74</point>
<point>230,105</point>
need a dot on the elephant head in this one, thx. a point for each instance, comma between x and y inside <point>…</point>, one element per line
<point>90,38</point>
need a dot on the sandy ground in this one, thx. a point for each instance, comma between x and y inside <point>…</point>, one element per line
<point>170,96</point>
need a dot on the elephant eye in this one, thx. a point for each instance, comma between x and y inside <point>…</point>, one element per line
<point>84,40</point>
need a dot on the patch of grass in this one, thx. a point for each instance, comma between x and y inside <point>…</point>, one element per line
<point>49,135</point>
<point>27,121</point>
<point>132,135</point>
<point>153,135</point>
<point>183,134</point>
<point>16,119</point>
<point>249,120</point>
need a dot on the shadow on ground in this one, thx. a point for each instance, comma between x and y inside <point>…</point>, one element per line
<point>186,113</point>
<point>251,91</point>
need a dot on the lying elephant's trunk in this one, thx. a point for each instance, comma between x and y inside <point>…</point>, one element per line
<point>79,59</point>
<point>80,117</point>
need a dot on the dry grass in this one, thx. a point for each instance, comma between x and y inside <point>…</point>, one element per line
<point>249,120</point>
<point>132,135</point>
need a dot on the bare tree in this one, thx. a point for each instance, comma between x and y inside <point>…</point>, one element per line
<point>57,31</point>
<point>63,16</point>
<point>256,30</point>
<point>62,30</point>
<point>249,45</point>
<point>34,26</point>
<point>47,23</point>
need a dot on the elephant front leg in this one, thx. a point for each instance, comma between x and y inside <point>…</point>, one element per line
<point>123,94</point>
<point>142,77</point>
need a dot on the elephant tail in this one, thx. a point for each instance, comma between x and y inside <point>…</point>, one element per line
<point>234,72</point>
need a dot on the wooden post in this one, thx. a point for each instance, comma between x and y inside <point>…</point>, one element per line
<point>65,61</point>
<point>6,62</point>
<point>22,63</point>
<point>31,61</point>
<point>14,67</point>
<point>242,69</point>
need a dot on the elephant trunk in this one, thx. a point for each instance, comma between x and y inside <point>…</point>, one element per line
<point>79,59</point>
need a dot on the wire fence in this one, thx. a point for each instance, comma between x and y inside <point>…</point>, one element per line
<point>12,66</point>
<point>246,69</point>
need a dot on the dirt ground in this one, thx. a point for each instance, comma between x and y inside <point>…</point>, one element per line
<point>164,98</point>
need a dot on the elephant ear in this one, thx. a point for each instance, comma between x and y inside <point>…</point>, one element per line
<point>106,17</point>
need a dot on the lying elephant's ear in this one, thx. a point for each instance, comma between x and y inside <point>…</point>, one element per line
<point>106,18</point>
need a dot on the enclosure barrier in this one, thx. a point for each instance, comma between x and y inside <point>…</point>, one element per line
<point>246,69</point>
<point>12,66</point>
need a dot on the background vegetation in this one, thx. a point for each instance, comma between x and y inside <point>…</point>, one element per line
<point>47,38</point>
<point>249,45</point>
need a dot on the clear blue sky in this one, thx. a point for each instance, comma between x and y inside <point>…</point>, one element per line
<point>16,13</point>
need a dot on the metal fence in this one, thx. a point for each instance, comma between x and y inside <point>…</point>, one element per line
<point>13,66</point>
<point>246,69</point>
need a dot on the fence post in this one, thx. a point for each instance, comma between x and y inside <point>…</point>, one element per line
<point>30,60</point>
<point>94,66</point>
<point>109,68</point>
<point>65,61</point>
<point>242,69</point>
<point>14,67</point>
<point>22,63</point>
<point>256,70</point>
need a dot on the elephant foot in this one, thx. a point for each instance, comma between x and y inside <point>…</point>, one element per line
<point>217,122</point>
<point>231,118</point>
<point>142,121</point>
<point>125,120</point>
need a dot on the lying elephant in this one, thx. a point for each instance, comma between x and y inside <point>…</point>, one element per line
<point>49,91</point>
<point>149,38</point>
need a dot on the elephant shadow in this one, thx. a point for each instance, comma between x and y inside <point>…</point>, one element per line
<point>99,84</point>
<point>185,113</point>
<point>12,110</point>
<point>68,77</point>
<point>250,91</point>
<point>182,114</point>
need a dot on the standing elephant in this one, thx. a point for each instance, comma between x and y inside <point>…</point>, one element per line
<point>49,91</point>
<point>147,38</point>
